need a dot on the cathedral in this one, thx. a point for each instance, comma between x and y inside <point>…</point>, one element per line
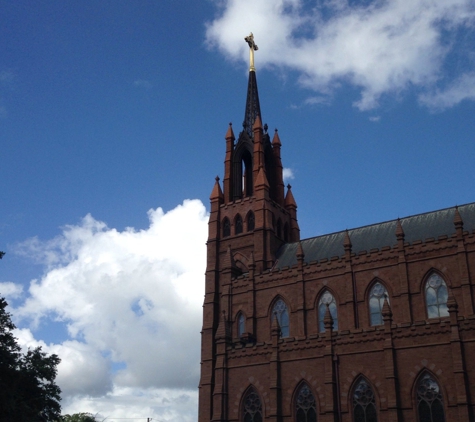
<point>371,324</point>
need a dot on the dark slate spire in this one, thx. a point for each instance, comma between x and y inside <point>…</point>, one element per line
<point>253,108</point>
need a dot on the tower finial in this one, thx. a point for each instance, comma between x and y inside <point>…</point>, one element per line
<point>252,47</point>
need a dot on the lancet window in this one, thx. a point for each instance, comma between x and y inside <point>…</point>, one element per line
<point>436,296</point>
<point>241,325</point>
<point>430,406</point>
<point>305,405</point>
<point>364,405</point>
<point>281,312</point>
<point>376,301</point>
<point>327,299</point>
<point>252,407</point>
<point>251,222</point>
<point>226,227</point>
<point>238,224</point>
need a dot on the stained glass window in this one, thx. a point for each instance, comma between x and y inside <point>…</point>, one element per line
<point>280,310</point>
<point>436,296</point>
<point>327,299</point>
<point>250,222</point>
<point>252,407</point>
<point>226,228</point>
<point>305,407</point>
<point>430,406</point>
<point>364,405</point>
<point>238,225</point>
<point>376,302</point>
<point>241,325</point>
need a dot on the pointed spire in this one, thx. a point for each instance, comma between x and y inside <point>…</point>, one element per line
<point>253,108</point>
<point>257,123</point>
<point>458,222</point>
<point>347,242</point>
<point>216,193</point>
<point>276,139</point>
<point>222,333</point>
<point>230,133</point>
<point>228,261</point>
<point>399,230</point>
<point>386,311</point>
<point>275,328</point>
<point>300,252</point>
<point>328,320</point>
<point>289,198</point>
<point>400,237</point>
<point>262,179</point>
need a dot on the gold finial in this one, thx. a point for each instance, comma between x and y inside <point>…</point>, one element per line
<point>252,47</point>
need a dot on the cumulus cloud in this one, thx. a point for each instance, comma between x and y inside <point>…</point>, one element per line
<point>131,301</point>
<point>380,46</point>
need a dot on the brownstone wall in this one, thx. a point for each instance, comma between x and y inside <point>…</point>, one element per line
<point>389,356</point>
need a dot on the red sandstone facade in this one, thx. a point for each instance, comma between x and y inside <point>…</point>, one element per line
<point>382,350</point>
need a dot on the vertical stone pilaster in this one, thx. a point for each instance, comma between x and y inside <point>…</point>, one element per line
<point>458,362</point>
<point>275,405</point>
<point>390,369</point>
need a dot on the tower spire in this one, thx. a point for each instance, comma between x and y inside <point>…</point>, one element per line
<point>253,108</point>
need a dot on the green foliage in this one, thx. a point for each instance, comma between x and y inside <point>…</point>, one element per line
<point>28,392</point>
<point>78,417</point>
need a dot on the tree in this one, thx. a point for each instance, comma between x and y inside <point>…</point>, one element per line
<point>28,392</point>
<point>78,417</point>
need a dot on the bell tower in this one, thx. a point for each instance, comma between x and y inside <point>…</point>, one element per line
<point>250,219</point>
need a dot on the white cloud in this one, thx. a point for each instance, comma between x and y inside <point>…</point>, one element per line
<point>374,118</point>
<point>132,304</point>
<point>381,46</point>
<point>288,174</point>
<point>10,290</point>
<point>463,88</point>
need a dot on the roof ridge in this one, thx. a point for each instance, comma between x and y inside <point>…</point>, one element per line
<point>385,222</point>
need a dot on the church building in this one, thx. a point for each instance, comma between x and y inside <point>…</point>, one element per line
<point>371,324</point>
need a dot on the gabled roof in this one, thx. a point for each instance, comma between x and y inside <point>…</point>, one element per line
<point>376,236</point>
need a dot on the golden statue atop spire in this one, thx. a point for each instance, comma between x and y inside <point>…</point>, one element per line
<point>252,47</point>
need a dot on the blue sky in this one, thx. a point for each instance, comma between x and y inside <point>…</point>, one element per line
<point>110,109</point>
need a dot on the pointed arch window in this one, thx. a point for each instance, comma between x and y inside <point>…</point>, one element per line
<point>436,296</point>
<point>376,301</point>
<point>327,299</point>
<point>305,405</point>
<point>364,405</point>
<point>238,225</point>
<point>226,227</point>
<point>281,312</point>
<point>252,407</point>
<point>430,407</point>
<point>241,324</point>
<point>286,232</point>
<point>251,221</point>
